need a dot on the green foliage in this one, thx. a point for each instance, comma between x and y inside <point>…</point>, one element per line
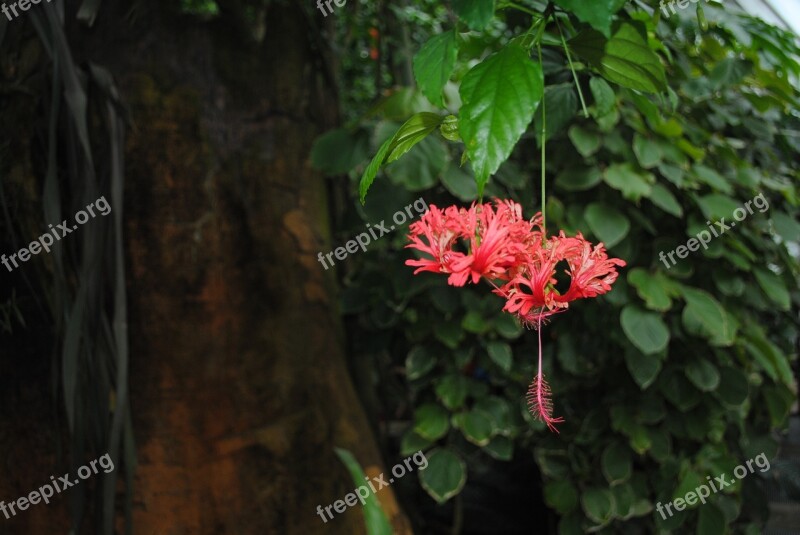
<point>683,370</point>
<point>499,97</point>
<point>375,519</point>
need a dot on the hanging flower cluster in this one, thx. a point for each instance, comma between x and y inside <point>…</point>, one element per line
<point>515,256</point>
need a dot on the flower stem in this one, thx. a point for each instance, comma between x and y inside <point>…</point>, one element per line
<point>572,68</point>
<point>544,143</point>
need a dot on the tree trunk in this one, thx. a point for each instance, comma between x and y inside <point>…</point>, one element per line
<point>239,387</point>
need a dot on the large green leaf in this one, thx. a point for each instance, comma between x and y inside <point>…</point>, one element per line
<point>664,199</point>
<point>616,463</point>
<point>430,421</point>
<point>420,361</point>
<point>645,330</point>
<point>625,58</point>
<point>500,353</point>
<point>632,183</point>
<point>452,391</point>
<point>607,223</point>
<point>774,287</point>
<point>598,13</point>
<point>477,427</point>
<point>560,106</point>
<point>598,504</point>
<point>711,521</point>
<point>643,368</point>
<point>605,100</point>
<point>476,13</point>
<point>499,97</point>
<point>338,151</point>
<point>561,495</point>
<point>374,517</point>
<point>412,132</point>
<point>579,179</point>
<point>445,475</point>
<point>655,288</point>
<point>586,141</point>
<point>703,374</point>
<point>705,316</point>
<point>434,64</point>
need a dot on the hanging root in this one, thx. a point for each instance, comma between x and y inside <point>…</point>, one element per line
<point>540,404</point>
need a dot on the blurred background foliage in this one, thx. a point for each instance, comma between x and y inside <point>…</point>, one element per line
<point>675,375</point>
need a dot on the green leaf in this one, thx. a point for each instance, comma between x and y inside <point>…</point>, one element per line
<point>625,58</point>
<point>561,495</point>
<point>729,71</point>
<point>605,100</point>
<point>774,287</point>
<point>655,289</point>
<point>476,13</point>
<point>717,206</point>
<point>433,65</point>
<point>713,179</point>
<point>499,96</point>
<point>703,374</point>
<point>412,443</point>
<point>786,227</point>
<point>616,463</point>
<point>500,448</point>
<point>633,184</point>
<point>598,504</point>
<point>374,517</point>
<point>704,316</point>
<point>560,105</point>
<point>412,132</point>
<point>422,167</point>
<point>445,475</point>
<point>419,362</point>
<point>607,223</point>
<point>430,421</point>
<point>644,329</point>
<point>647,151</point>
<point>624,500</point>
<point>475,323</point>
<point>586,141</point>
<point>579,179</point>
<point>643,368</point>
<point>768,355</point>
<point>459,183</point>
<point>452,391</point>
<point>338,151</point>
<point>733,387</point>
<point>500,353</point>
<point>499,411</point>
<point>664,199</point>
<point>598,13</point>
<point>477,427</point>
<point>710,521</point>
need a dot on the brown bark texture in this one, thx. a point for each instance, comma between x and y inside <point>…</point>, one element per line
<point>239,386</point>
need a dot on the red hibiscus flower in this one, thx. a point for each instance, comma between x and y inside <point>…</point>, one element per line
<point>497,244</point>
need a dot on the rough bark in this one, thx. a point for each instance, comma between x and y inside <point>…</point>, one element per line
<point>238,379</point>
